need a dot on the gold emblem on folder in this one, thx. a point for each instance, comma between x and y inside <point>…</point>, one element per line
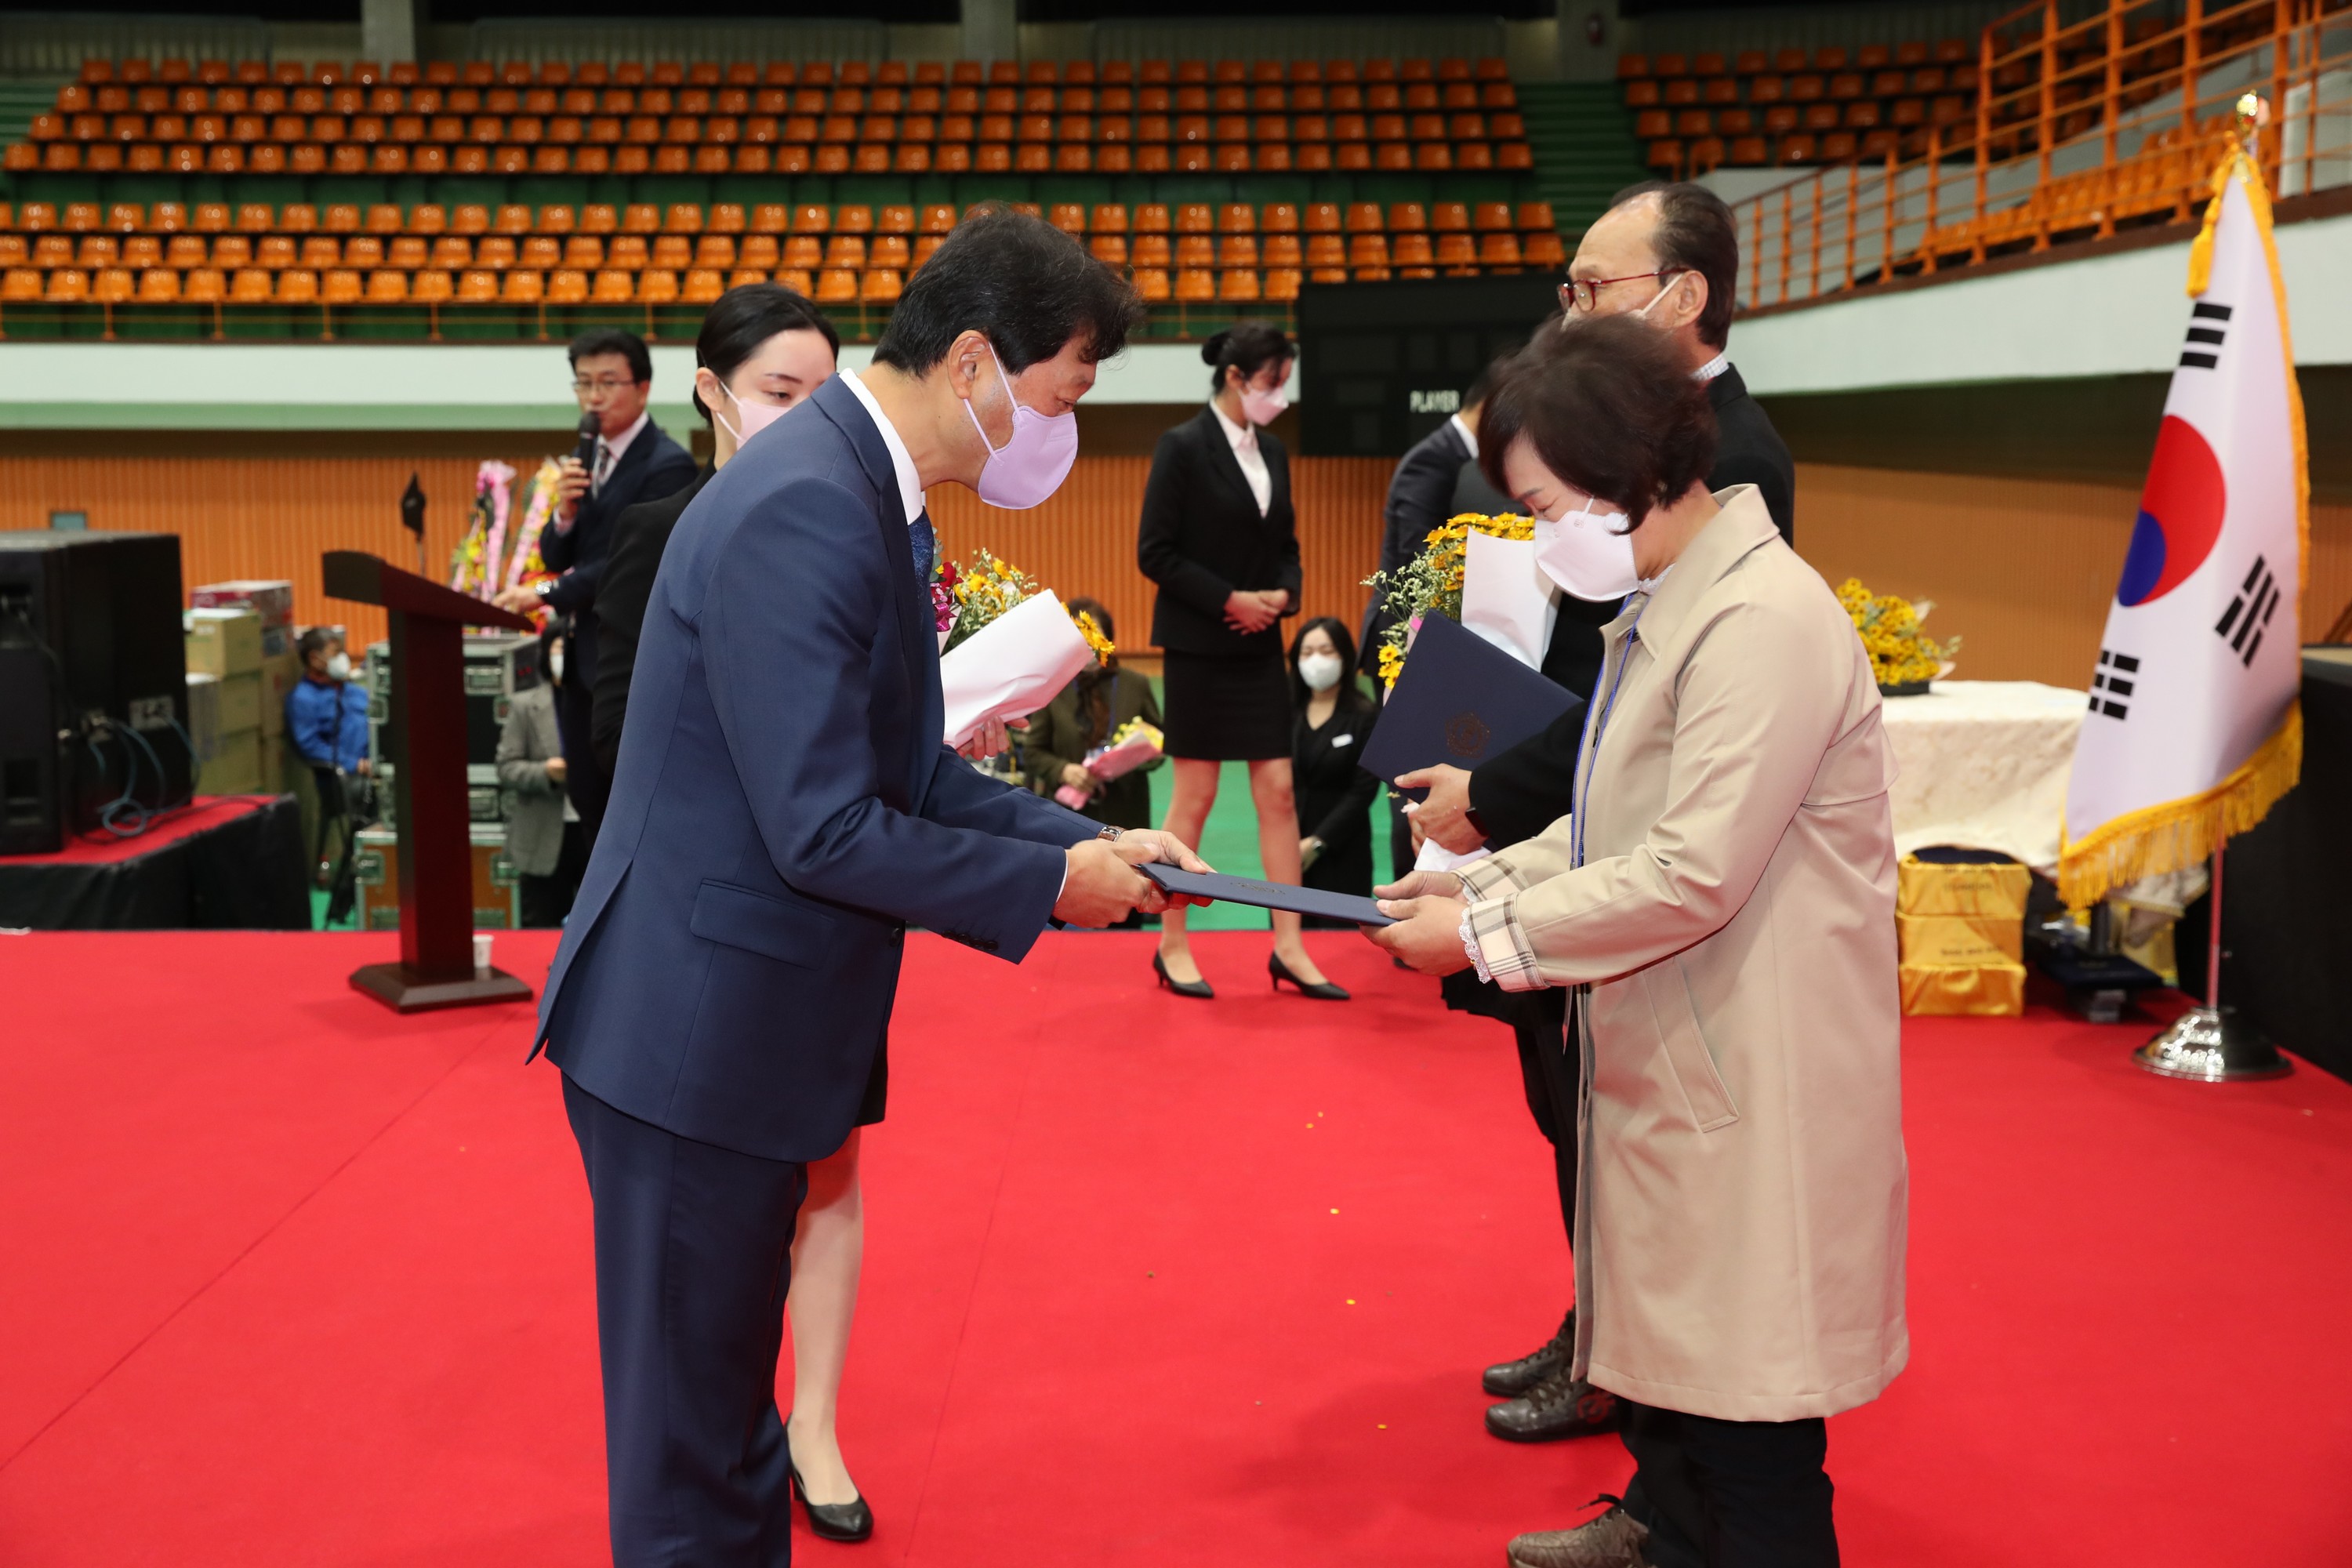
<point>1466,734</point>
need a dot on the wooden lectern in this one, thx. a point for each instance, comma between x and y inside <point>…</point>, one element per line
<point>426,737</point>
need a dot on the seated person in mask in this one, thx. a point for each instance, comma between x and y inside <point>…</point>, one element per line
<point>1334,795</point>
<point>1085,715</point>
<point>327,725</point>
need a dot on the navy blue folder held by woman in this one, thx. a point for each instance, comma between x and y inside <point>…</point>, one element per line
<point>1460,699</point>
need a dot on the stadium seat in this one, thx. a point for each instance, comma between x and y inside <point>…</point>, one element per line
<point>1195,286</point>
<point>522,287</point>
<point>836,285</point>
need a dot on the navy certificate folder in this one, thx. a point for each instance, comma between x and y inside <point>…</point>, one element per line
<point>1461,700</point>
<point>1266,895</point>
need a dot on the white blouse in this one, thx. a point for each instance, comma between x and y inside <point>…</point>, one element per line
<point>1242,438</point>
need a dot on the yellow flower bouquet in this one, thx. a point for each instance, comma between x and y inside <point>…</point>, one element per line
<point>1432,583</point>
<point>1007,645</point>
<point>1904,658</point>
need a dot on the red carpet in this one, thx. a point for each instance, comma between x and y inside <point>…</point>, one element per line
<point>290,1281</point>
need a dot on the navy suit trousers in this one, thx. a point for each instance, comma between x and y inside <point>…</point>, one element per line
<point>693,1261</point>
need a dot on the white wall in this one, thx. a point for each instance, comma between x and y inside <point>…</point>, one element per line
<point>2102,316</point>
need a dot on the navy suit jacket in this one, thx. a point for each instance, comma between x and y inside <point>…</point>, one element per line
<point>653,466</point>
<point>784,809</point>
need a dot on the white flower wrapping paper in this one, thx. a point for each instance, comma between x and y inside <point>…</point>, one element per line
<point>1011,667</point>
<point>1505,597</point>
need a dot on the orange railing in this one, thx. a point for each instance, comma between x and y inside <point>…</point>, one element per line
<point>2091,116</point>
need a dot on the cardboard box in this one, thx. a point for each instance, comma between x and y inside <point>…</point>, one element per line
<point>240,702</point>
<point>277,642</point>
<point>1963,940</point>
<point>1944,887</point>
<point>277,764</point>
<point>234,767</point>
<point>1954,990</point>
<point>203,715</point>
<point>222,642</point>
<point>279,676</point>
<point>272,601</point>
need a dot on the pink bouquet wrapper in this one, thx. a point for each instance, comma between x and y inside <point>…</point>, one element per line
<point>1011,667</point>
<point>1108,762</point>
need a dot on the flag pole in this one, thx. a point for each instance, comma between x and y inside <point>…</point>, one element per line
<point>2212,1044</point>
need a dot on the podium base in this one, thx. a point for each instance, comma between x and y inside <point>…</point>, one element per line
<point>2213,1046</point>
<point>405,991</point>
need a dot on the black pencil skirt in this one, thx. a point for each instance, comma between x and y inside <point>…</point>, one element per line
<point>1227,708</point>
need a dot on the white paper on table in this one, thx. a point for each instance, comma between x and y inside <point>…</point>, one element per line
<point>1011,667</point>
<point>1505,597</point>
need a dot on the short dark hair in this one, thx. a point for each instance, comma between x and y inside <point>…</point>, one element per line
<point>1608,406</point>
<point>312,641</point>
<point>1482,386</point>
<point>1350,694</point>
<point>616,341</point>
<point>746,316</point>
<point>1249,346</point>
<point>1696,234</point>
<point>1024,284</point>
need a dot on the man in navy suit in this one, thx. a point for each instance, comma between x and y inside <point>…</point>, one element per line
<point>635,461</point>
<point>784,809</point>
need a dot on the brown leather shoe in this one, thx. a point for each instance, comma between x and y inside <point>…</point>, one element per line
<point>1556,1408</point>
<point>1613,1539</point>
<point>1510,1379</point>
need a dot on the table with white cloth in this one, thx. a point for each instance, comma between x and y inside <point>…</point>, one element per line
<point>1982,766</point>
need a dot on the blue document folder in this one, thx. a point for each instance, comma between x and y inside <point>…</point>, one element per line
<point>1461,700</point>
<point>1266,895</point>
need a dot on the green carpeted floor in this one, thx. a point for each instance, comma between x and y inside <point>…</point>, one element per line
<point>1230,844</point>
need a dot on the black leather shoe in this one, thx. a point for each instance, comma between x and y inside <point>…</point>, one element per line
<point>1321,990</point>
<point>1510,1379</point>
<point>1557,1408</point>
<point>851,1520</point>
<point>1181,987</point>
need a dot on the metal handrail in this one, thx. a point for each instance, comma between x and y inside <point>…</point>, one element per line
<point>2090,115</point>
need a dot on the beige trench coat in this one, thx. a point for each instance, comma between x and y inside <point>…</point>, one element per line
<point>1740,1211</point>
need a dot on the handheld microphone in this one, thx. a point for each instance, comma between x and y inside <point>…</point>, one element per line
<point>590,427</point>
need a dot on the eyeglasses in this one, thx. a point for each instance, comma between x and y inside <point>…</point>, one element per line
<point>1580,293</point>
<point>604,385</point>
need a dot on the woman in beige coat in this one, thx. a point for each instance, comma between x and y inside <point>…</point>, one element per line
<point>1723,901</point>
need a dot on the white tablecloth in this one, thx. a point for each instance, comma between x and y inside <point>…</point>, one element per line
<point>1984,766</point>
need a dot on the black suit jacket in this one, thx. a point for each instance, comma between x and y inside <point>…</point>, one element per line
<point>653,466</point>
<point>1524,791</point>
<point>1200,538</point>
<point>639,536</point>
<point>1420,498</point>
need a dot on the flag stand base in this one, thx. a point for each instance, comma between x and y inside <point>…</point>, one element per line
<point>2212,1045</point>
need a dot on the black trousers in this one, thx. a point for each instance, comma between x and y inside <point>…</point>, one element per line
<point>1730,1494</point>
<point>583,776</point>
<point>547,899</point>
<point>1548,1064</point>
<point>693,1260</point>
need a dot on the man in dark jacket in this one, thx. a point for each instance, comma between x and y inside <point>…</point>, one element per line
<point>1670,255</point>
<point>612,377</point>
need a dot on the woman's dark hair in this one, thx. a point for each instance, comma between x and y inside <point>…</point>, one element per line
<point>616,341</point>
<point>1028,285</point>
<point>747,316</point>
<point>1249,346</point>
<point>1351,692</point>
<point>1094,681</point>
<point>1608,405</point>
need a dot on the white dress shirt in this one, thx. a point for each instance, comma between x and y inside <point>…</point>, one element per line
<point>1469,436</point>
<point>609,450</point>
<point>1714,367</point>
<point>1243,438</point>
<point>910,488</point>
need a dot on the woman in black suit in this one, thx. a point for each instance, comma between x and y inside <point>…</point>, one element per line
<point>1335,795</point>
<point>1219,538</point>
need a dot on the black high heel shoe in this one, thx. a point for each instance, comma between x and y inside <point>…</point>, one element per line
<point>851,1520</point>
<point>1321,990</point>
<point>1199,988</point>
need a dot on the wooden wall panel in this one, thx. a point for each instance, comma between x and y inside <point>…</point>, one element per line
<point>274,516</point>
<point>2023,569</point>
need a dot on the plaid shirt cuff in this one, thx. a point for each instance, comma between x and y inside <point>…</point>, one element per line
<point>1500,945</point>
<point>1484,879</point>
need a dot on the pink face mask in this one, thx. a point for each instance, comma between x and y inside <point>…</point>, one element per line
<point>756,416</point>
<point>1263,407</point>
<point>1031,466</point>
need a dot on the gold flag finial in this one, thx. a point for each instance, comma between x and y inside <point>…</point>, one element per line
<point>2253,113</point>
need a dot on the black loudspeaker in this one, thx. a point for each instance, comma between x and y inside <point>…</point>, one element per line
<point>93,684</point>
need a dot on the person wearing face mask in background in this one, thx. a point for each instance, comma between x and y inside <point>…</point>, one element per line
<point>1220,540</point>
<point>1334,795</point>
<point>763,349</point>
<point>785,808</point>
<point>326,723</point>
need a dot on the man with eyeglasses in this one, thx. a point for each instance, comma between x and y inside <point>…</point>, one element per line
<point>635,461</point>
<point>1669,255</point>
